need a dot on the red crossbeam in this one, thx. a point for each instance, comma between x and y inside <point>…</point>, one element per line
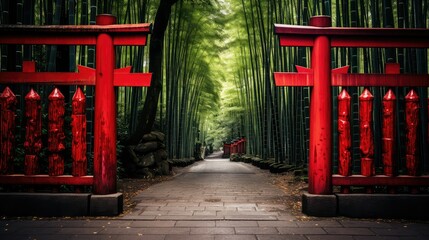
<point>85,76</point>
<point>380,180</point>
<point>20,179</point>
<point>123,34</point>
<point>370,80</point>
<point>303,36</point>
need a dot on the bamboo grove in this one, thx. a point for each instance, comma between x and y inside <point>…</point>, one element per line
<point>218,62</point>
<point>276,120</point>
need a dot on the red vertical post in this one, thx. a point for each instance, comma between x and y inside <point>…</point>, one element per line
<point>366,133</point>
<point>33,133</point>
<point>78,125</point>
<point>105,112</point>
<point>388,133</point>
<point>7,130</point>
<point>56,133</point>
<point>320,155</point>
<point>412,121</point>
<point>226,149</point>
<point>344,138</point>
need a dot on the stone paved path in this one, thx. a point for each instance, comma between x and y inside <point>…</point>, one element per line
<point>213,199</point>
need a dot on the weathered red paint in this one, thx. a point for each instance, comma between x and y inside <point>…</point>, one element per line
<point>123,34</point>
<point>56,145</point>
<point>104,35</point>
<point>105,112</point>
<point>302,79</point>
<point>304,36</point>
<point>33,133</point>
<point>388,133</point>
<point>380,180</point>
<point>366,133</point>
<point>8,103</point>
<point>412,121</point>
<point>78,125</point>
<point>290,35</point>
<point>344,137</point>
<point>226,149</point>
<point>85,76</point>
<point>20,179</point>
<point>320,149</point>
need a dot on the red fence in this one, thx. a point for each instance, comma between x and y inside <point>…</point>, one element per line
<point>322,37</point>
<point>105,35</point>
<point>237,146</point>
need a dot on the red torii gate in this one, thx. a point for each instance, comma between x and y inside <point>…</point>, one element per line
<point>322,37</point>
<point>105,36</point>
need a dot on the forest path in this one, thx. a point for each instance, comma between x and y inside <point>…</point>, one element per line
<point>214,189</point>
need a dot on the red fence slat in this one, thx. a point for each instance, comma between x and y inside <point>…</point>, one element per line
<point>412,121</point>
<point>79,134</point>
<point>33,133</point>
<point>8,103</point>
<point>56,133</point>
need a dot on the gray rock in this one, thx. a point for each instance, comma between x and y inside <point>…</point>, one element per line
<point>146,147</point>
<point>160,155</point>
<point>147,173</point>
<point>146,160</point>
<point>154,136</point>
<point>163,167</point>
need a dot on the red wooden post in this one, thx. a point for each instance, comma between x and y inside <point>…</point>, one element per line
<point>366,133</point>
<point>345,141</point>
<point>412,121</point>
<point>105,113</point>
<point>33,142</point>
<point>78,125</point>
<point>7,130</point>
<point>320,155</point>
<point>56,133</point>
<point>388,134</point>
<point>226,149</point>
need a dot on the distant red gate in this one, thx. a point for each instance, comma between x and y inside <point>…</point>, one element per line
<point>322,37</point>
<point>105,36</point>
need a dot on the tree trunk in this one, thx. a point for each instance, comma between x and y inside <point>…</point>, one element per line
<point>147,120</point>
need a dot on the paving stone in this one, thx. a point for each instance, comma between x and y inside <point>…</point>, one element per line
<point>139,217</point>
<point>86,230</point>
<point>280,237</point>
<point>236,224</point>
<point>221,208</point>
<point>195,208</point>
<point>380,238</point>
<point>154,213</point>
<point>276,224</point>
<point>250,217</point>
<point>348,231</point>
<point>195,224</point>
<point>189,237</point>
<point>212,230</point>
<point>235,237</point>
<point>367,224</point>
<point>395,231</point>
<point>205,213</point>
<point>258,230</point>
<point>330,237</point>
<point>180,213</point>
<point>327,223</point>
<point>139,224</point>
<point>302,231</point>
<point>170,208</point>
